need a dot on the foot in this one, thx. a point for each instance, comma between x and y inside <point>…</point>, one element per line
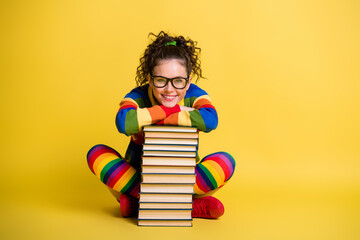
<point>207,207</point>
<point>128,205</point>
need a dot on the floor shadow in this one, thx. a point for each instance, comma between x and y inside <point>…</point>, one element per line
<point>115,212</point>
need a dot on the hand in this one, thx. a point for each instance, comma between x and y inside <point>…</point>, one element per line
<point>186,108</point>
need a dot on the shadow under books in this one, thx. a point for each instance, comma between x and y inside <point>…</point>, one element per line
<point>115,212</point>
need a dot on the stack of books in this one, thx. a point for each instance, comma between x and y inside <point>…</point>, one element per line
<point>168,175</point>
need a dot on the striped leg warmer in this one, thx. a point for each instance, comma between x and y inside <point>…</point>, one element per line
<point>213,171</point>
<point>112,170</point>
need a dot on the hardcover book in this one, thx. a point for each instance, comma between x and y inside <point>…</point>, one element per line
<point>168,161</point>
<point>169,147</point>
<point>171,134</point>
<point>167,178</point>
<point>165,197</point>
<point>165,214</point>
<point>178,141</point>
<point>168,169</point>
<point>147,153</point>
<point>165,223</point>
<point>166,188</point>
<point>165,205</point>
<point>164,128</point>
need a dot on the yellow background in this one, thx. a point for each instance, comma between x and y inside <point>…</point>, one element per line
<point>283,75</point>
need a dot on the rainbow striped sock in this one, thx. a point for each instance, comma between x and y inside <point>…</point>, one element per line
<point>108,165</point>
<point>213,171</point>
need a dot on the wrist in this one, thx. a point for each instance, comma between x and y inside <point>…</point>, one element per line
<point>172,110</point>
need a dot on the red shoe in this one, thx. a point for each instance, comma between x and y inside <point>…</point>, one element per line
<point>207,207</point>
<point>128,205</point>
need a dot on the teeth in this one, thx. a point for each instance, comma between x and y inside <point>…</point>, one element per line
<point>169,97</point>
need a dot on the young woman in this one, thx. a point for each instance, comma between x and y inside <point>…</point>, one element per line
<point>165,95</point>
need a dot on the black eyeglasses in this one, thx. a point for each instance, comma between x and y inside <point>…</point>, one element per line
<point>177,82</point>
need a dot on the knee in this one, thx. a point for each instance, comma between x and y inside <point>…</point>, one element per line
<point>230,159</point>
<point>97,151</point>
<point>224,160</point>
<point>231,164</point>
<point>94,149</point>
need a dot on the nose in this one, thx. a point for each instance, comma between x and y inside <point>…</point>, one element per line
<point>169,87</point>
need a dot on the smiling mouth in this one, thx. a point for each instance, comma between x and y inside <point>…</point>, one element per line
<point>168,98</point>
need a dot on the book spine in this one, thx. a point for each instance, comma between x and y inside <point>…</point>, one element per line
<point>177,144</point>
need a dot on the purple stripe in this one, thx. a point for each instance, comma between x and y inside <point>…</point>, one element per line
<point>93,150</point>
<point>109,171</point>
<point>116,172</point>
<point>224,158</point>
<point>98,147</point>
<point>202,181</point>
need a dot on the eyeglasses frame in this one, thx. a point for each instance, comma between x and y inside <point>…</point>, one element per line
<point>169,80</point>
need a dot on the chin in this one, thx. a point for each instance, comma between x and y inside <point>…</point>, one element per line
<point>169,105</point>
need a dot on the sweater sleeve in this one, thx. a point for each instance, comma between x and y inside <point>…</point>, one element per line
<point>132,115</point>
<point>204,116</point>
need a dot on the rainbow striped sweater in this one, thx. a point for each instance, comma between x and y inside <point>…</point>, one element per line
<point>139,108</point>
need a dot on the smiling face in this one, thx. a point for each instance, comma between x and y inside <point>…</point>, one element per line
<point>168,95</point>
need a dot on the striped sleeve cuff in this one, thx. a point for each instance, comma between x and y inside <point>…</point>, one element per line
<point>169,111</point>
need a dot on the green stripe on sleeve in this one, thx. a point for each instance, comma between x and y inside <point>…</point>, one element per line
<point>197,120</point>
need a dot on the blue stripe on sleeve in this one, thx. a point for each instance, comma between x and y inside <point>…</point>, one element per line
<point>210,118</point>
<point>120,119</point>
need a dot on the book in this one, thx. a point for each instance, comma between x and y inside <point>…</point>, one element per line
<point>165,197</point>
<point>177,141</point>
<point>171,135</point>
<point>162,128</point>
<point>170,147</point>
<point>168,169</point>
<point>167,178</point>
<point>165,214</point>
<point>165,223</point>
<point>168,153</point>
<point>168,175</point>
<point>171,205</point>
<point>166,188</point>
<point>168,161</point>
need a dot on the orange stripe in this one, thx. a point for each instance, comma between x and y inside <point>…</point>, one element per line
<point>214,170</point>
<point>172,119</point>
<point>124,179</point>
<point>128,101</point>
<point>201,102</point>
<point>156,113</point>
<point>101,160</point>
<point>197,190</point>
<point>124,103</point>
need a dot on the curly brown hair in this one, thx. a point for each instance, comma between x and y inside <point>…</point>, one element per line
<point>184,50</point>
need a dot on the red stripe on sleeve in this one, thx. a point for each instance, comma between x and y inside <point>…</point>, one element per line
<point>169,111</point>
<point>207,106</point>
<point>160,122</point>
<point>127,106</point>
<point>201,102</point>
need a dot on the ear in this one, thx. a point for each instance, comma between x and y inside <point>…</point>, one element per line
<point>148,79</point>
<point>190,79</point>
<point>188,84</point>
